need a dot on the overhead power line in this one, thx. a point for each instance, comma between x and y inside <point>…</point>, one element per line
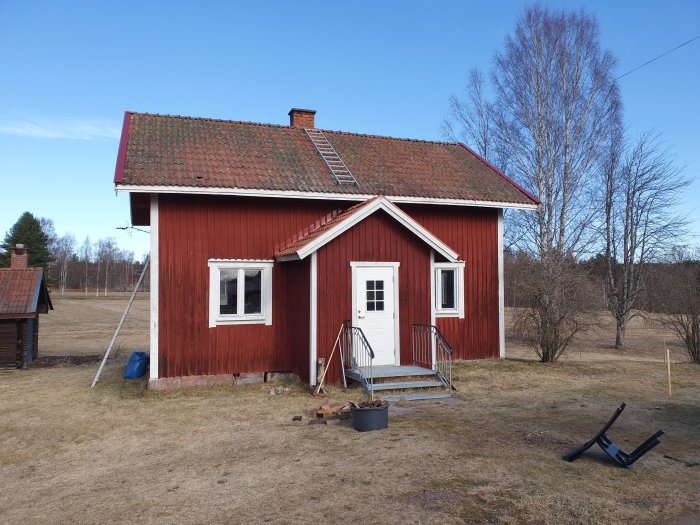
<point>658,57</point>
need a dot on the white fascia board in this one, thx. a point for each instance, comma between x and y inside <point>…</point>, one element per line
<point>294,194</point>
<point>393,211</point>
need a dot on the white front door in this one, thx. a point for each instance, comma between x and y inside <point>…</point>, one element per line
<point>375,297</point>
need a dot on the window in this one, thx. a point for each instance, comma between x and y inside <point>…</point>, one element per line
<point>449,289</point>
<point>375,296</point>
<point>240,292</point>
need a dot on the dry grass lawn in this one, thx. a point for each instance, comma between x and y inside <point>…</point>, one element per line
<point>122,454</point>
<point>84,325</point>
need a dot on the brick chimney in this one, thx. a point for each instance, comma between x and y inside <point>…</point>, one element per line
<point>19,258</point>
<point>302,118</point>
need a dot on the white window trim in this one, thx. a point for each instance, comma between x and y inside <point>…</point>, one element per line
<point>215,267</point>
<point>459,282</point>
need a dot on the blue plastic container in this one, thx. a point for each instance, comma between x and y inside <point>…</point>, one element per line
<point>137,365</point>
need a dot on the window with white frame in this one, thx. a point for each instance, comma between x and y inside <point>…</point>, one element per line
<point>240,292</point>
<point>449,289</point>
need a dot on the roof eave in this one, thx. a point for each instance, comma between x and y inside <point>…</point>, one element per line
<point>121,152</point>
<point>506,177</point>
<point>296,194</point>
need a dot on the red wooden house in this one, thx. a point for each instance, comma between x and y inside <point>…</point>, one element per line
<point>265,239</point>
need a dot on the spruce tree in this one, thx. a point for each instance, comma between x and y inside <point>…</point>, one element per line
<point>27,230</point>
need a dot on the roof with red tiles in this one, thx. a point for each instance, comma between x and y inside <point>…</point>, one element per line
<point>326,224</point>
<point>19,290</point>
<point>209,155</point>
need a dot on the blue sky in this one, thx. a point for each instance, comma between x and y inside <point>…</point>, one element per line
<point>71,69</point>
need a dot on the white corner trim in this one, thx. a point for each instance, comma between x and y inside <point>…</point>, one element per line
<point>294,194</point>
<point>313,318</point>
<point>432,306</point>
<point>501,292</point>
<point>397,319</point>
<point>153,328</point>
<point>394,211</point>
<point>432,288</point>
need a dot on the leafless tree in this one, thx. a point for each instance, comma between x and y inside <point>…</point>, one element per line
<point>642,185</point>
<point>471,118</point>
<point>86,256</point>
<point>62,252</point>
<point>679,302</point>
<point>558,105</point>
<point>106,254</point>
<point>49,230</point>
<point>551,315</point>
<point>555,107</point>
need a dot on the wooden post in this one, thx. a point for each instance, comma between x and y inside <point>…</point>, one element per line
<point>320,367</point>
<point>668,367</point>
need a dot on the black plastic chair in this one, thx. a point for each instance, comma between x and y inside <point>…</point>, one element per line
<point>611,449</point>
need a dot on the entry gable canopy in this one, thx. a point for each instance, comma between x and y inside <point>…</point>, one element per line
<point>325,233</point>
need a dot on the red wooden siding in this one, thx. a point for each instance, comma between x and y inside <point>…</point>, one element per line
<point>378,238</point>
<point>195,229</point>
<point>473,233</point>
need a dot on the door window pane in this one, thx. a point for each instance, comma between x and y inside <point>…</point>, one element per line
<point>375,296</point>
<point>253,291</point>
<point>228,291</point>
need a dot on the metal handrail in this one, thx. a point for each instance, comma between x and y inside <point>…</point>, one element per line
<point>357,354</point>
<point>426,338</point>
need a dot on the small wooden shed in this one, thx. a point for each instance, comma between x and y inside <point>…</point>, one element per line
<point>23,296</point>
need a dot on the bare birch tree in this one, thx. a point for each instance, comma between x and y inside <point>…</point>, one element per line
<point>105,255</point>
<point>470,119</point>
<point>558,105</point>
<point>86,256</point>
<point>555,106</point>
<point>62,251</point>
<point>642,184</point>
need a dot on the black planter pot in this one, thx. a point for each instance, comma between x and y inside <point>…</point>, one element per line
<point>366,419</point>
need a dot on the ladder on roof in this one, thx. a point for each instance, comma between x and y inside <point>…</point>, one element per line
<point>340,171</point>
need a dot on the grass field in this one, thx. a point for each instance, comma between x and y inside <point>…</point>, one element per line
<point>120,453</point>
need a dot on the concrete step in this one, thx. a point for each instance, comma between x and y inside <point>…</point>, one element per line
<point>397,371</point>
<point>414,397</point>
<point>406,384</point>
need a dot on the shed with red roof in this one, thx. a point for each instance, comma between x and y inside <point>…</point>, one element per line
<point>23,296</point>
<point>266,239</point>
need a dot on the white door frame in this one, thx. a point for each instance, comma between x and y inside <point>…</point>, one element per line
<point>395,267</point>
